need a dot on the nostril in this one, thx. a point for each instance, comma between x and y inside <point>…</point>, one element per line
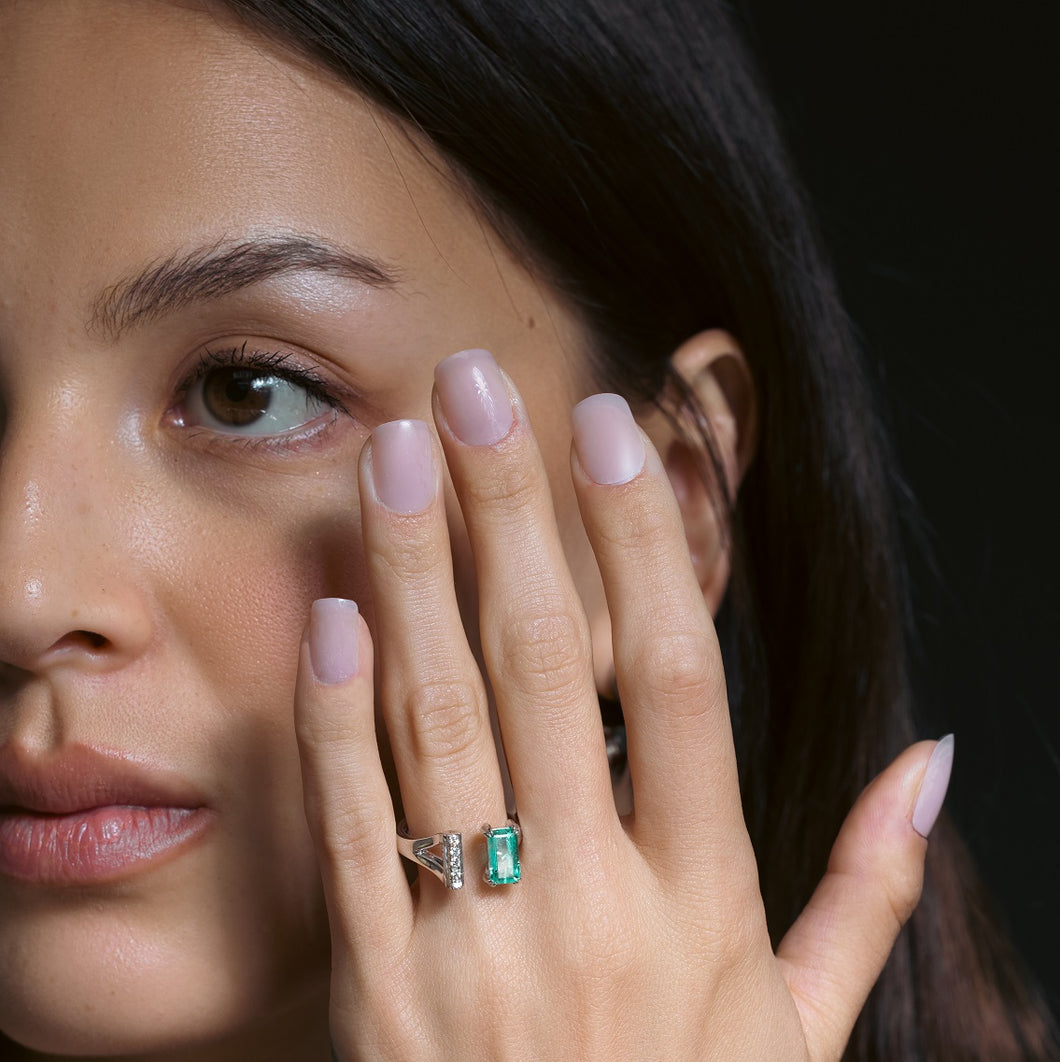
<point>80,642</point>
<point>91,638</point>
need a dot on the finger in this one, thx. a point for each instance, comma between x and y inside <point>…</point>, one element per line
<point>347,800</point>
<point>534,634</point>
<point>668,664</point>
<point>833,954</point>
<point>432,695</point>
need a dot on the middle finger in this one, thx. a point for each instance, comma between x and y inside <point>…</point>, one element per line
<point>432,695</point>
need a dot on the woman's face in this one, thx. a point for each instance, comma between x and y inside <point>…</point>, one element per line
<point>194,226</point>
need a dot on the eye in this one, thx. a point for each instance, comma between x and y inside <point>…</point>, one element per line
<point>252,400</point>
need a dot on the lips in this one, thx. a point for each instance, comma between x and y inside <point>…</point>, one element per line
<point>83,816</point>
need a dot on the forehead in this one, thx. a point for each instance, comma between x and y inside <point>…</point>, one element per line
<point>130,129</point>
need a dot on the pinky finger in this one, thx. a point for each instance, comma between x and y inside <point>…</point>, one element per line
<point>347,799</point>
<point>835,951</point>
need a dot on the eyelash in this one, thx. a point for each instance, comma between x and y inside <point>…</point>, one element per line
<point>279,364</point>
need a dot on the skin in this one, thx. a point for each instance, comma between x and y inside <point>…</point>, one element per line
<point>156,573</point>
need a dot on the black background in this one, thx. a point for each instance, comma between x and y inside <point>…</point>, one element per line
<point>925,133</point>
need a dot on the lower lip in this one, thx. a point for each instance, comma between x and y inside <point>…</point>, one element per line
<point>95,845</point>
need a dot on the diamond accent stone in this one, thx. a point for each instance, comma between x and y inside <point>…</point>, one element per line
<point>453,858</point>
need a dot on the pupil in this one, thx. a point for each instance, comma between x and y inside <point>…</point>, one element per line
<point>237,390</point>
<point>237,396</point>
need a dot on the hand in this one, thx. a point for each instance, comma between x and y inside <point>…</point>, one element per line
<point>637,938</point>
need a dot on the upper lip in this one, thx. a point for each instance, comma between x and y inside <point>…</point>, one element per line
<point>78,778</point>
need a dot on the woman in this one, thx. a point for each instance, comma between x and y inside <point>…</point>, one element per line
<point>237,240</point>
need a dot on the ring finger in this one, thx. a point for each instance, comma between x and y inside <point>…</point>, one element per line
<point>533,628</point>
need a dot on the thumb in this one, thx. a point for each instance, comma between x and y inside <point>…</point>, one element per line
<point>833,954</point>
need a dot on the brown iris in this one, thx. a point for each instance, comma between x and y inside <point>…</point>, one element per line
<point>237,396</point>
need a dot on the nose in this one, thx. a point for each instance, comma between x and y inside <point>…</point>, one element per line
<point>69,596</point>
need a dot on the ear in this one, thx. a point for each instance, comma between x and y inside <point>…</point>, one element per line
<point>719,388</point>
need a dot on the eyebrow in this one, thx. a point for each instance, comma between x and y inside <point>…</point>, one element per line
<point>209,273</point>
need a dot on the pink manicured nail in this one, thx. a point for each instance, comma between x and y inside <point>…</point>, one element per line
<point>933,787</point>
<point>403,466</point>
<point>474,398</point>
<point>333,639</point>
<point>607,439</point>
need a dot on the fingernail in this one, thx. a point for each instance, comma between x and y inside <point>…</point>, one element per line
<point>333,639</point>
<point>933,787</point>
<point>403,466</point>
<point>608,441</point>
<point>474,398</point>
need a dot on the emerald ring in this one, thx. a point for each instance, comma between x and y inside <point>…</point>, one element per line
<point>443,854</point>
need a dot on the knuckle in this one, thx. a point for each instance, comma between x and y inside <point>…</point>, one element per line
<point>643,526</point>
<point>679,668</point>
<point>644,534</point>
<point>510,485</point>
<point>545,655</point>
<point>406,557</point>
<point>746,936</point>
<point>448,720</point>
<point>318,731</point>
<point>344,834</point>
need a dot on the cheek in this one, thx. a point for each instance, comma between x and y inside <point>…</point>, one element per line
<point>242,563</point>
<point>235,567</point>
<point>235,599</point>
<point>240,621</point>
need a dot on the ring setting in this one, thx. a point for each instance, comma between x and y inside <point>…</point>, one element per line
<point>440,853</point>
<point>443,854</point>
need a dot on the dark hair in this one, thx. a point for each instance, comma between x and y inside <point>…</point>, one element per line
<point>624,149</point>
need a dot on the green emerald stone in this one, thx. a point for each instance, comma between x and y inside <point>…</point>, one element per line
<point>502,856</point>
